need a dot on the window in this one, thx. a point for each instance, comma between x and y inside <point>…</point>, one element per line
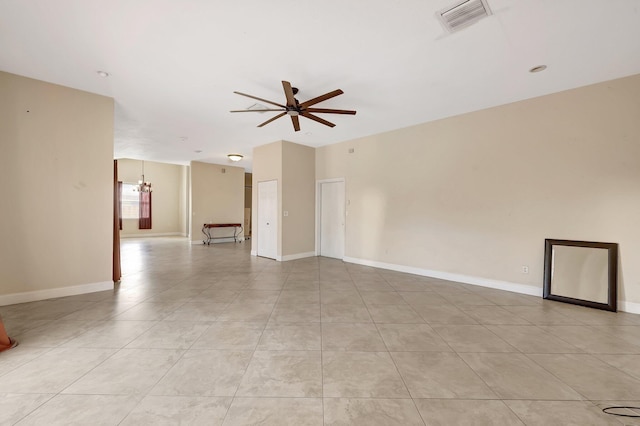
<point>130,201</point>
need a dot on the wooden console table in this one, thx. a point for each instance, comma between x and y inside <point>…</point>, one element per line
<point>206,230</point>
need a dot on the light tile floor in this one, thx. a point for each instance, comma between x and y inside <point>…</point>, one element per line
<point>211,335</point>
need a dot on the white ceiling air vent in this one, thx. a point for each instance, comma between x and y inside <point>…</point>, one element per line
<point>463,14</point>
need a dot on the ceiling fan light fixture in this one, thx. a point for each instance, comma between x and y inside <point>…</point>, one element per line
<point>293,113</point>
<point>235,157</point>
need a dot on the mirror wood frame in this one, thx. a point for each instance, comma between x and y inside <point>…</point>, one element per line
<point>612,264</point>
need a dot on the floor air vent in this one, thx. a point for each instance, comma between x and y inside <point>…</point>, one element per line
<point>463,14</point>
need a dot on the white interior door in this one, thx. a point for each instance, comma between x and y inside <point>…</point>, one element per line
<point>332,218</point>
<point>267,226</point>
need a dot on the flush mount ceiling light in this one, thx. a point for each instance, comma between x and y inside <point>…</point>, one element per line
<point>103,74</point>
<point>538,68</point>
<point>235,157</point>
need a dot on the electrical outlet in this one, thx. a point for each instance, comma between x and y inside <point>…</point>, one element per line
<point>525,269</point>
<point>286,213</point>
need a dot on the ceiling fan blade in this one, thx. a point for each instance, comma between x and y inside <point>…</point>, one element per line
<point>257,110</point>
<point>331,111</point>
<point>288,92</point>
<point>259,99</point>
<point>271,119</point>
<point>318,119</point>
<point>321,98</point>
<point>296,123</point>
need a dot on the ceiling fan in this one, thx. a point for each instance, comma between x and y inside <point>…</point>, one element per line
<point>295,109</point>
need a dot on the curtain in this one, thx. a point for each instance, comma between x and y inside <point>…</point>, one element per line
<point>145,211</point>
<point>117,222</point>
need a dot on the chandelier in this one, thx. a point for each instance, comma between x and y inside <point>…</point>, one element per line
<point>143,185</point>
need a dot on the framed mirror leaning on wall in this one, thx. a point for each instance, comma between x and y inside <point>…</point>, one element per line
<point>582,273</point>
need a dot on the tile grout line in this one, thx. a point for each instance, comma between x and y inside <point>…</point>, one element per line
<point>375,324</point>
<point>235,394</point>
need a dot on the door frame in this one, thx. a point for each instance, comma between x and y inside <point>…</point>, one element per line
<point>319,210</point>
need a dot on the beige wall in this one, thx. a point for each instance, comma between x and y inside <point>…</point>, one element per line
<point>184,201</point>
<point>57,192</point>
<point>169,185</point>
<point>267,165</point>
<point>293,166</point>
<point>216,197</point>
<point>477,194</point>
<point>247,189</point>
<point>298,199</point>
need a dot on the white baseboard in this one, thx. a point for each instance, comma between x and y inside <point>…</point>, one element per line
<point>467,279</point>
<point>530,290</point>
<point>51,293</point>
<point>297,256</point>
<point>289,256</point>
<point>144,235</point>
<point>632,308</point>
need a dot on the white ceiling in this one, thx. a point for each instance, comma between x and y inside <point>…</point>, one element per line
<point>174,64</point>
